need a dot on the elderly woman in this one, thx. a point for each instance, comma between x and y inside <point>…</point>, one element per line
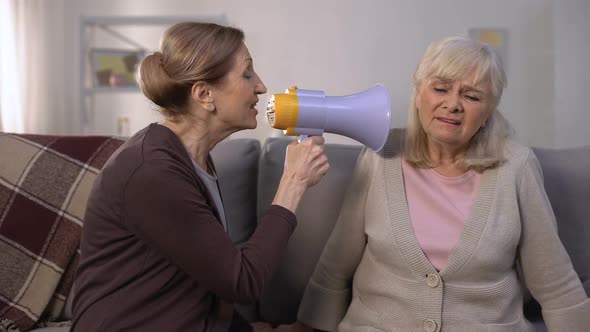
<point>435,225</point>
<point>155,252</point>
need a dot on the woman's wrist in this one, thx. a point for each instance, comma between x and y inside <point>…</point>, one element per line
<point>289,193</point>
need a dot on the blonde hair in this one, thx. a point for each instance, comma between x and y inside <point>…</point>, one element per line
<point>453,59</point>
<point>189,52</point>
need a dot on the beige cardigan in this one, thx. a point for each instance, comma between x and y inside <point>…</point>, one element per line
<point>373,275</point>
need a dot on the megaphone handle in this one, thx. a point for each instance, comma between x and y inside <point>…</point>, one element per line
<point>302,138</point>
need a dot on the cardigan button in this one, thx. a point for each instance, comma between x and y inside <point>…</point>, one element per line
<point>430,325</point>
<point>433,280</point>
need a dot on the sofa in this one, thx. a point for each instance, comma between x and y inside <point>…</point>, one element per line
<point>45,181</point>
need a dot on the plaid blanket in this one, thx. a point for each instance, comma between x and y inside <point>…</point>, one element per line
<point>44,185</point>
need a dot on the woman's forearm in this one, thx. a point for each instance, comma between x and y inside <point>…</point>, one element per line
<point>289,194</point>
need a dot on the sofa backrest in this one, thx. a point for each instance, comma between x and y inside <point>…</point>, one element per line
<point>316,216</point>
<point>567,182</point>
<point>236,162</point>
<point>248,178</point>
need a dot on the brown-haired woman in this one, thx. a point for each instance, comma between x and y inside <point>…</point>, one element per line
<point>155,252</point>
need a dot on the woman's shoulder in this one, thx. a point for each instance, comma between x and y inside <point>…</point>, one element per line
<point>393,144</point>
<point>154,145</point>
<point>159,138</point>
<point>517,155</point>
<point>370,161</point>
<point>157,144</point>
<point>514,150</point>
<point>396,136</point>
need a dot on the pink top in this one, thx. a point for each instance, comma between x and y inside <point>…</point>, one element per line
<point>439,207</point>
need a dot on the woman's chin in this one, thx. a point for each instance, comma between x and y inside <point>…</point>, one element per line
<point>250,125</point>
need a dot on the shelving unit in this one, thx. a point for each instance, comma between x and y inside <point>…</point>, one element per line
<point>111,25</point>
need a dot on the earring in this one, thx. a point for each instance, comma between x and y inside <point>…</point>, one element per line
<point>210,107</point>
<point>483,124</point>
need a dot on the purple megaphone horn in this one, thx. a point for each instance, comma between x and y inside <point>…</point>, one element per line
<point>364,117</point>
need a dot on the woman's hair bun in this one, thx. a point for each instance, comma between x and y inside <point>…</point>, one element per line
<point>157,86</point>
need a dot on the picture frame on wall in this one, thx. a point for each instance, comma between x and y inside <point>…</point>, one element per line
<point>114,68</point>
<point>495,37</point>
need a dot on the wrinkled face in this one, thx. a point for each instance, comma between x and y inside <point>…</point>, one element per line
<point>236,96</point>
<point>451,112</point>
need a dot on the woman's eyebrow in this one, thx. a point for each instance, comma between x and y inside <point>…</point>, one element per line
<point>467,87</point>
<point>248,62</point>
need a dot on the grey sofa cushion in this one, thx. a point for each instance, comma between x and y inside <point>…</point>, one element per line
<point>236,161</point>
<point>316,216</point>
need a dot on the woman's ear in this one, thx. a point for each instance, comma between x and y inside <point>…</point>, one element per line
<point>201,94</point>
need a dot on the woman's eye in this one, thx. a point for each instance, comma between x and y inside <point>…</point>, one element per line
<point>472,98</point>
<point>248,73</point>
<point>440,90</point>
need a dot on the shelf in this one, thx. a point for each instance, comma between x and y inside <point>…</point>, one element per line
<point>107,89</point>
<point>123,30</point>
<point>147,20</point>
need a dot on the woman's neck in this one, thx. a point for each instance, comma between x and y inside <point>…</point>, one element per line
<point>195,135</point>
<point>448,161</point>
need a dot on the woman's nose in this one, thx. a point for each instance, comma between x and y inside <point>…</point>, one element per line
<point>453,103</point>
<point>260,87</point>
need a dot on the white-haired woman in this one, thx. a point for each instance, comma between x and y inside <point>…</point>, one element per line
<point>434,225</point>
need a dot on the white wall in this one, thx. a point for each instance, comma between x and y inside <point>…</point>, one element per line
<point>343,47</point>
<point>572,73</point>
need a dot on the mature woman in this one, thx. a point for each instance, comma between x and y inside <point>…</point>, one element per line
<point>155,252</point>
<point>430,237</point>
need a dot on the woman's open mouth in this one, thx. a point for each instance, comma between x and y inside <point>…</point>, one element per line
<point>449,121</point>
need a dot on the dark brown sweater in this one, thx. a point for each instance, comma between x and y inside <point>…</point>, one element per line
<point>155,256</point>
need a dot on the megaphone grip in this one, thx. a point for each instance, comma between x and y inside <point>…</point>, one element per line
<point>302,138</point>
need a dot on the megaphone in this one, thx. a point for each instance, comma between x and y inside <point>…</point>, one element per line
<point>364,117</point>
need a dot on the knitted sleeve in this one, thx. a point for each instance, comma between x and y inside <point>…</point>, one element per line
<point>547,268</point>
<point>167,210</point>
